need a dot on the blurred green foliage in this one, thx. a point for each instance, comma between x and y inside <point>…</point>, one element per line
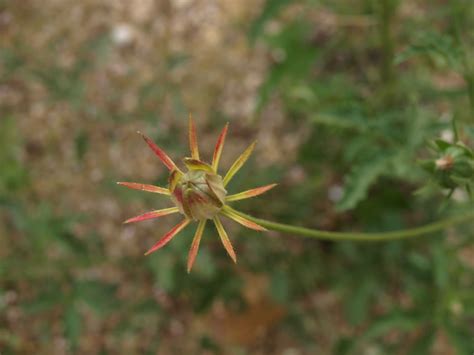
<point>371,125</point>
<point>362,79</point>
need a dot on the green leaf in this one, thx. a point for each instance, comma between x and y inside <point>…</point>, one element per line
<point>439,48</point>
<point>360,179</point>
<point>442,145</point>
<point>396,320</point>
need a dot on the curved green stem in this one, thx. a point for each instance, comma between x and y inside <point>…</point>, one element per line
<point>357,236</point>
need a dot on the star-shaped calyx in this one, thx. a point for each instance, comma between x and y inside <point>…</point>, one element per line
<point>199,194</point>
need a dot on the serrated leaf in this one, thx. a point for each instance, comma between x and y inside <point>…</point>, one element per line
<point>442,145</point>
<point>427,191</point>
<point>360,179</point>
<point>435,46</point>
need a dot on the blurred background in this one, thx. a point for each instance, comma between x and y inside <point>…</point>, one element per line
<point>341,95</point>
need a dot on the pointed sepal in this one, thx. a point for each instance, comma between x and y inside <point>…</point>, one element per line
<point>234,215</point>
<point>250,193</point>
<point>218,149</point>
<point>168,236</point>
<point>145,187</point>
<point>160,153</point>
<point>224,238</point>
<point>152,214</point>
<point>193,145</point>
<point>195,244</point>
<point>173,179</point>
<point>238,163</point>
<point>196,164</point>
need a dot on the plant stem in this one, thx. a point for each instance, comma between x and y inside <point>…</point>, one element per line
<point>366,237</point>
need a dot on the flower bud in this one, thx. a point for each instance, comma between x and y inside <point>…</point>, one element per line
<point>444,163</point>
<point>199,194</point>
